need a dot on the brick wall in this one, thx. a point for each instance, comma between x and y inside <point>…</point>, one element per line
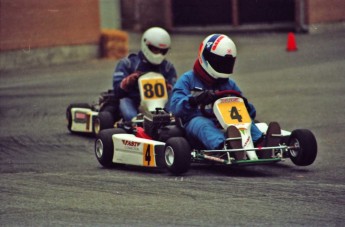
<point>323,11</point>
<point>28,24</point>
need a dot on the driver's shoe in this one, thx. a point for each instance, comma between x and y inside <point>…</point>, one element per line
<point>272,139</point>
<point>234,141</point>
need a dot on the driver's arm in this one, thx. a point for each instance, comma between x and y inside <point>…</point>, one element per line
<point>179,104</point>
<point>122,70</point>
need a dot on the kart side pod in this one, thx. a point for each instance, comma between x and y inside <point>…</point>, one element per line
<point>129,149</point>
<point>80,118</point>
<point>115,146</point>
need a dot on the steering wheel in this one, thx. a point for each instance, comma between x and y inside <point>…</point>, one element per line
<point>222,94</point>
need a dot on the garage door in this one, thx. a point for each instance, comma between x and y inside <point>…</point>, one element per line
<point>219,12</point>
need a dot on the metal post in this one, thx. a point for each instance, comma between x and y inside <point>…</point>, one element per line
<point>235,13</point>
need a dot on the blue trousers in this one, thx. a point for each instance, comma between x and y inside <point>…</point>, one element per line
<point>204,130</point>
<point>128,108</point>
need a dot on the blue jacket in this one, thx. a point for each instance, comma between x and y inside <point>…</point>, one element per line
<point>137,62</point>
<point>182,91</point>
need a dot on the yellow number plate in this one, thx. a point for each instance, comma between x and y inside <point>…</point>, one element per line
<point>234,112</point>
<point>154,88</point>
<point>148,155</point>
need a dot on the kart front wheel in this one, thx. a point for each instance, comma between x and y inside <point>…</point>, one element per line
<point>177,155</point>
<point>104,148</point>
<point>303,147</point>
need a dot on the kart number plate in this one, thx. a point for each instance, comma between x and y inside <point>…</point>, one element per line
<point>234,112</point>
<point>153,88</point>
<point>148,155</point>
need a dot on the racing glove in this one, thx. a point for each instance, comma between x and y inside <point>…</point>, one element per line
<point>202,98</point>
<point>169,86</point>
<point>129,82</point>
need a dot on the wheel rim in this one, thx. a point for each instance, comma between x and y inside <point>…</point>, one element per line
<point>99,148</point>
<point>296,148</point>
<point>97,126</point>
<point>169,156</point>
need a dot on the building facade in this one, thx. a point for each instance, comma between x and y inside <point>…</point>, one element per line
<point>35,32</point>
<point>296,15</point>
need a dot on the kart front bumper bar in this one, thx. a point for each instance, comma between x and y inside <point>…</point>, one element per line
<point>281,147</point>
<point>207,154</point>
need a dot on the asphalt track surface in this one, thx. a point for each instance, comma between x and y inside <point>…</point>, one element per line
<point>49,177</point>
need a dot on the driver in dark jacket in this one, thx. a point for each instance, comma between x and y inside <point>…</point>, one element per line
<point>155,44</point>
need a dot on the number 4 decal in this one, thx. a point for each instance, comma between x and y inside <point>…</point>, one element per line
<point>234,114</point>
<point>148,155</point>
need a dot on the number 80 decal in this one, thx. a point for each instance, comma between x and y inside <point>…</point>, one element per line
<point>153,88</point>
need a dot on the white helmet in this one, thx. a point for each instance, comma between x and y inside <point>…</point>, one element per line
<point>217,55</point>
<point>155,44</point>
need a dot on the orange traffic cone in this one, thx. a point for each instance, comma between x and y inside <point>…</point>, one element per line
<point>291,42</point>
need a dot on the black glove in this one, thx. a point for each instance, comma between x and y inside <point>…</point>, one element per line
<point>202,98</point>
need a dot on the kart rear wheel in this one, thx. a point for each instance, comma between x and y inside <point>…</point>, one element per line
<point>104,120</point>
<point>114,110</point>
<point>69,112</point>
<point>177,155</point>
<point>304,147</point>
<point>104,148</point>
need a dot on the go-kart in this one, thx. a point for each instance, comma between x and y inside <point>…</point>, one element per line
<point>162,142</point>
<point>84,118</point>
<point>137,142</point>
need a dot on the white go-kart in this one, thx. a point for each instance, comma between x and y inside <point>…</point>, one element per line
<point>86,119</point>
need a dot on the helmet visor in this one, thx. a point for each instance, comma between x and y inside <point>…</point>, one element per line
<point>222,64</point>
<point>157,50</point>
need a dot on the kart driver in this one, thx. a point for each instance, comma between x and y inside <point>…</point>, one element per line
<point>211,72</point>
<point>155,44</point>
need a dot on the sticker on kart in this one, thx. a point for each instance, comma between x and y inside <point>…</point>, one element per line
<point>153,88</point>
<point>153,91</point>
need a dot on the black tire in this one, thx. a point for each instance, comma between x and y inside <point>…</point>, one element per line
<point>305,147</point>
<point>114,110</point>
<point>69,113</point>
<point>108,108</point>
<point>104,148</point>
<point>177,155</point>
<point>104,120</point>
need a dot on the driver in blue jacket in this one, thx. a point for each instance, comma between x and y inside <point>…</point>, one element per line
<point>211,72</point>
<point>155,44</point>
